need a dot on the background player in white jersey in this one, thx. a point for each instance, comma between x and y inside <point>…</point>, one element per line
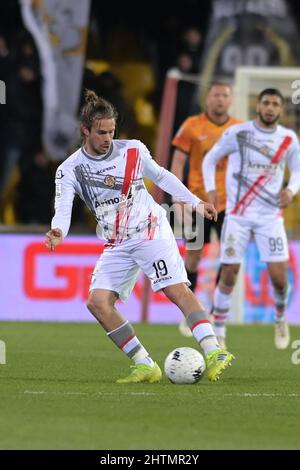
<point>194,139</point>
<point>258,153</point>
<point>108,175</point>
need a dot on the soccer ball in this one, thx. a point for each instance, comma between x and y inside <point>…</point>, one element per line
<point>184,366</point>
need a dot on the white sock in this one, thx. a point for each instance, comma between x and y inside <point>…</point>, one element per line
<point>142,357</point>
<point>220,331</point>
<point>202,331</point>
<point>222,304</point>
<point>209,344</point>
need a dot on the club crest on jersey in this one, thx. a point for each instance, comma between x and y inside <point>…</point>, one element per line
<point>230,251</point>
<point>109,181</point>
<point>265,150</point>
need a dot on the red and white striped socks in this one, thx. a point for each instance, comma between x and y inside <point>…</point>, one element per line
<point>221,307</point>
<point>202,331</point>
<point>124,337</point>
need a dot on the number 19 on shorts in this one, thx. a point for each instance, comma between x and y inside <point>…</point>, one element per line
<point>160,267</point>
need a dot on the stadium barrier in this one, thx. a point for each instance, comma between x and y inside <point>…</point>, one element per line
<point>39,285</point>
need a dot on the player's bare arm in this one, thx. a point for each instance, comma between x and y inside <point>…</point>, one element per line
<point>53,238</point>
<point>285,198</point>
<point>212,197</point>
<point>178,163</point>
<point>207,210</point>
<point>177,168</point>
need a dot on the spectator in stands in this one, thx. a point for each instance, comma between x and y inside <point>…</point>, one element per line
<point>186,90</point>
<point>192,45</point>
<point>22,126</point>
<point>36,189</point>
<point>110,87</point>
<point>5,70</point>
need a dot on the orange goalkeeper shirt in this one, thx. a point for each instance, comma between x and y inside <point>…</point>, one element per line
<point>196,137</point>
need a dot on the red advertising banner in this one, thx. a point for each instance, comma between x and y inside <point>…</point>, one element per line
<point>39,285</point>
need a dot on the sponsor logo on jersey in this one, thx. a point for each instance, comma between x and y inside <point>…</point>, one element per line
<point>59,175</point>
<point>266,168</point>
<point>106,169</point>
<point>108,202</point>
<point>262,166</point>
<point>162,279</point>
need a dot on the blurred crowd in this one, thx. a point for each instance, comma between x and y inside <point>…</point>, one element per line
<point>26,171</point>
<point>130,49</point>
<point>20,136</point>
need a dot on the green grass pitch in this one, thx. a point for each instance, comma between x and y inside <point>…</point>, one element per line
<point>57,391</point>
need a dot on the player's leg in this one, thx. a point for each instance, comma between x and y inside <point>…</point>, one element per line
<point>278,274</point>
<point>114,277</point>
<point>202,227</point>
<point>218,227</point>
<point>273,247</point>
<point>192,261</point>
<point>193,258</point>
<point>217,359</point>
<point>235,236</point>
<point>194,246</point>
<point>223,300</point>
<point>161,261</point>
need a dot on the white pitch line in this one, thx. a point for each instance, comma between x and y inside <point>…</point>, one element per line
<point>259,395</point>
<point>43,392</point>
<point>104,394</point>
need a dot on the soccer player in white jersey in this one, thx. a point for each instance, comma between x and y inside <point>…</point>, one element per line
<point>258,152</point>
<point>107,174</point>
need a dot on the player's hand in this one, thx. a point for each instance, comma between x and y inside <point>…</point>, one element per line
<point>53,238</point>
<point>207,210</point>
<point>212,197</point>
<point>285,198</point>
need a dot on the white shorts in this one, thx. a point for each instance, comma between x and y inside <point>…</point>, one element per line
<point>119,266</point>
<point>269,235</point>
